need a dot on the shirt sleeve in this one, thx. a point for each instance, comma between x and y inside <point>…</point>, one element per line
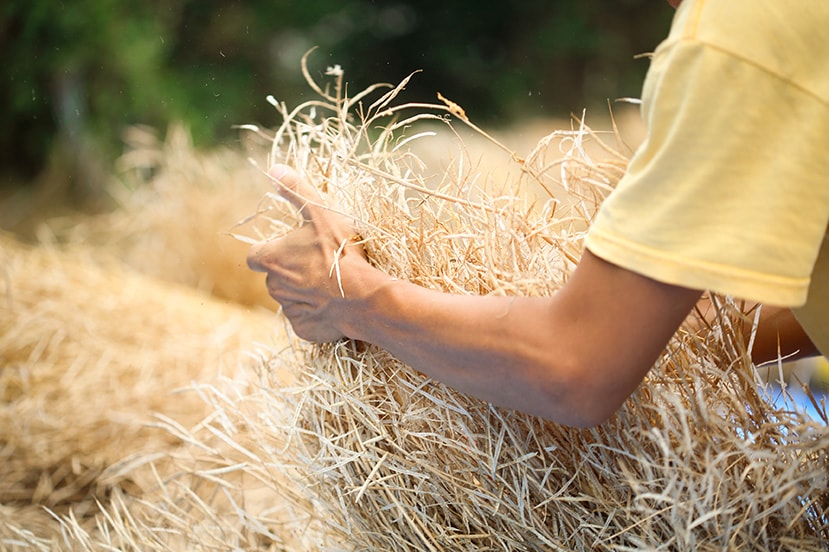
<point>730,191</point>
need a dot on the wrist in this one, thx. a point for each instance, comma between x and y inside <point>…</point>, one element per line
<point>363,287</point>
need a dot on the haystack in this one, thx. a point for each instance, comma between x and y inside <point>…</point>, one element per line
<point>369,454</point>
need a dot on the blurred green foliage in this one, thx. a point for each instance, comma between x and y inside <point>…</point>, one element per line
<point>77,72</point>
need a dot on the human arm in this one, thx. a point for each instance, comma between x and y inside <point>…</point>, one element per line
<point>573,357</point>
<point>777,335</point>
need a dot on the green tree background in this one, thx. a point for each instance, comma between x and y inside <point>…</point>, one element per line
<point>77,72</point>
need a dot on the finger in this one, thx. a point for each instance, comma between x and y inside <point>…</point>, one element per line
<point>255,258</point>
<point>290,185</point>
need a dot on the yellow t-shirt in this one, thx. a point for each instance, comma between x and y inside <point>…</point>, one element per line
<point>730,190</point>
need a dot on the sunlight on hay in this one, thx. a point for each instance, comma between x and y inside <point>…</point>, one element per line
<point>339,447</point>
<point>176,208</point>
<point>93,357</point>
<point>697,459</point>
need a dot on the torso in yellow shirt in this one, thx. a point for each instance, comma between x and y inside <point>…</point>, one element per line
<point>730,191</point>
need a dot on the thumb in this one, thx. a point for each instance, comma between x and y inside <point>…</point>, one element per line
<point>291,186</point>
<point>256,257</point>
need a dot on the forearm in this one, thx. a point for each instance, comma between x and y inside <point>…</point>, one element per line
<point>482,346</point>
<point>779,335</point>
<point>551,356</point>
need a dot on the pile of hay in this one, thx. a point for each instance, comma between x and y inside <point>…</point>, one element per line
<point>176,207</point>
<point>343,447</point>
<point>697,459</point>
<point>94,359</point>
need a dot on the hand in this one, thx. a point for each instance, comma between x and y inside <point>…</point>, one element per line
<point>307,268</point>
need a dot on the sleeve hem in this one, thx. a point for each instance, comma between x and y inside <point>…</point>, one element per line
<point>672,269</point>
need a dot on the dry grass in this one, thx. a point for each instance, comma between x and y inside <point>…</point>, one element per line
<point>697,459</point>
<point>342,447</point>
<point>176,206</point>
<point>95,359</point>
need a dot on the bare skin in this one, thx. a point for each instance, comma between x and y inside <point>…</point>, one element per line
<point>533,354</point>
<point>778,334</point>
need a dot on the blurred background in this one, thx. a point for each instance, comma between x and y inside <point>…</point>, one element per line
<point>77,74</point>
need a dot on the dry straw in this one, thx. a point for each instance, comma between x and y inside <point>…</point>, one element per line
<point>176,206</point>
<point>697,459</point>
<point>94,359</point>
<point>354,450</point>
